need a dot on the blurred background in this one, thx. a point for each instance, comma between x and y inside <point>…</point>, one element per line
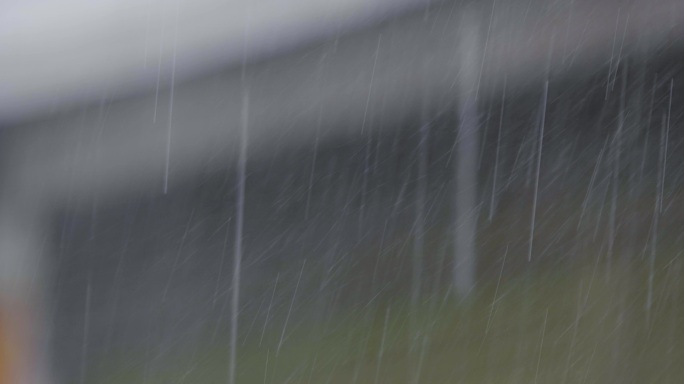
<point>341,191</point>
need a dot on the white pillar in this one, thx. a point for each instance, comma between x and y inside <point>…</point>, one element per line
<point>23,330</point>
<point>467,148</point>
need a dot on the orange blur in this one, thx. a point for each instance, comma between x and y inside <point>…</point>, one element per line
<point>13,343</point>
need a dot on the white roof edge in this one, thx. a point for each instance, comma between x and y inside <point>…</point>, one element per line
<point>60,54</point>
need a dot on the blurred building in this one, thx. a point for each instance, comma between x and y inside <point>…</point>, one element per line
<point>103,103</point>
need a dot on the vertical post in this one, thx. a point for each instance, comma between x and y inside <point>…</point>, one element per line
<point>23,336</point>
<point>467,156</point>
<point>237,256</point>
<point>420,202</point>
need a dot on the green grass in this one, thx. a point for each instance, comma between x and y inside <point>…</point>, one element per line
<point>569,317</point>
<point>576,325</point>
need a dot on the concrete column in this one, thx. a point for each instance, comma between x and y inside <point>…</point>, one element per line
<point>23,324</point>
<point>467,148</point>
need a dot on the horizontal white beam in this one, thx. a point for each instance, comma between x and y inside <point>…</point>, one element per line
<point>56,54</point>
<point>343,87</point>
